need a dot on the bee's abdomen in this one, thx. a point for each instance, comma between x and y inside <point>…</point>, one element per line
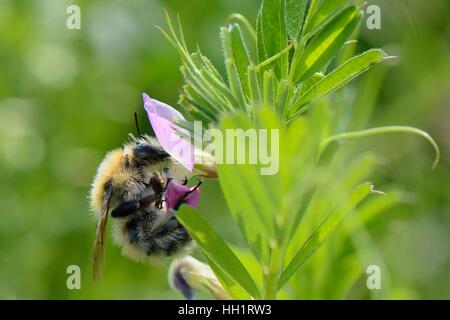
<point>167,240</point>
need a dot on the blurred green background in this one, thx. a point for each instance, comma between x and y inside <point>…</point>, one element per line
<point>68,96</point>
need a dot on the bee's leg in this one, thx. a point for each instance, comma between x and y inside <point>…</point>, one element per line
<point>183,198</point>
<point>167,183</point>
<point>146,201</point>
<point>129,207</point>
<point>125,209</point>
<point>185,181</point>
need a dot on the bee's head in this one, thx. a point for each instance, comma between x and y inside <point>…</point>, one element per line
<point>143,151</point>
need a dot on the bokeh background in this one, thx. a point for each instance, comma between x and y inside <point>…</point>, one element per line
<point>68,96</point>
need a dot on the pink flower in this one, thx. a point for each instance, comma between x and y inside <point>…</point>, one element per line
<point>177,194</point>
<point>161,117</point>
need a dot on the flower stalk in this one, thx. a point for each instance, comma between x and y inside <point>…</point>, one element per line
<point>272,272</point>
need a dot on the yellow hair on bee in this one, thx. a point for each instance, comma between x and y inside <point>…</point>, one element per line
<point>120,239</point>
<point>111,164</point>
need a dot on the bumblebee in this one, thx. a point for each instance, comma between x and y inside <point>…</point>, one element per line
<point>130,185</point>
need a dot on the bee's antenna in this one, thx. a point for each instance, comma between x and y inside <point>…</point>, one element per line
<point>136,122</point>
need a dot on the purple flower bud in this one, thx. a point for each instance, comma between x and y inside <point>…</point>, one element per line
<point>189,275</point>
<point>178,282</point>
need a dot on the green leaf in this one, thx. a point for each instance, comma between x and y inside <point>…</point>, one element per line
<point>284,96</point>
<point>339,180</point>
<point>220,89</point>
<point>260,47</point>
<point>337,78</point>
<point>206,63</point>
<point>234,80</point>
<point>252,193</point>
<point>274,33</point>
<point>241,20</point>
<point>194,110</point>
<point>311,81</point>
<point>195,78</point>
<point>216,249</point>
<point>295,15</point>
<point>255,88</point>
<point>323,15</point>
<point>240,54</point>
<point>324,230</point>
<point>243,210</point>
<point>200,100</point>
<point>311,8</point>
<point>250,262</point>
<point>235,83</point>
<point>234,289</point>
<point>254,199</point>
<point>268,88</point>
<point>326,44</point>
<point>201,76</point>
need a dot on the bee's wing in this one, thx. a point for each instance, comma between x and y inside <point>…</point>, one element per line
<point>97,254</point>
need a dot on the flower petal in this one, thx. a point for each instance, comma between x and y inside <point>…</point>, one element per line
<point>179,283</point>
<point>161,117</point>
<point>176,191</point>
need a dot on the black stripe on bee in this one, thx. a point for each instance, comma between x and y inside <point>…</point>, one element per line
<point>149,153</point>
<point>125,209</point>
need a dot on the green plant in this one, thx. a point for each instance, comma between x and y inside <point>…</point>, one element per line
<point>275,74</point>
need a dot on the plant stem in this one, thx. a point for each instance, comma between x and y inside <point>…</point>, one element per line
<point>275,57</point>
<point>295,59</point>
<point>271,274</point>
<point>381,130</point>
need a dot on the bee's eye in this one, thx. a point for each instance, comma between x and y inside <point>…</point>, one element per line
<point>108,186</point>
<point>156,185</point>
